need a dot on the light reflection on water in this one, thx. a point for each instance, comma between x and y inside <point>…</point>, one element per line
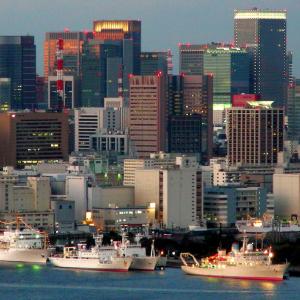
<point>31,281</point>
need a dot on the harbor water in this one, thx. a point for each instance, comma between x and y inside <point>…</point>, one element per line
<point>33,282</point>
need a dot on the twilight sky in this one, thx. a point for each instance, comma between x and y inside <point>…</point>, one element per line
<point>165,23</point>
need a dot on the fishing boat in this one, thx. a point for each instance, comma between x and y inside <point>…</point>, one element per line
<point>238,264</point>
<point>28,245</point>
<point>98,258</point>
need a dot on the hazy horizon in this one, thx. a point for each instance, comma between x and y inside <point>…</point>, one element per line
<point>165,23</point>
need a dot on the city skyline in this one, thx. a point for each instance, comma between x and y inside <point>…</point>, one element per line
<point>197,26</point>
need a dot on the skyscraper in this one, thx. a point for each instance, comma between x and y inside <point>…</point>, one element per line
<point>99,71</point>
<point>147,121</point>
<point>153,62</point>
<point>121,30</point>
<point>263,32</point>
<point>73,42</point>
<point>198,99</point>
<point>18,63</point>
<point>191,59</point>
<point>293,110</point>
<point>254,134</point>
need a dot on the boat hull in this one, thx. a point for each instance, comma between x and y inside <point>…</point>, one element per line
<point>115,265</point>
<point>256,272</point>
<point>145,263</point>
<point>38,256</point>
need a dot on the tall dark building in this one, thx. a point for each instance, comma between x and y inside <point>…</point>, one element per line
<point>153,62</point>
<point>18,63</point>
<point>175,95</point>
<point>263,33</point>
<point>185,133</point>
<point>121,30</point>
<point>191,59</point>
<point>99,71</point>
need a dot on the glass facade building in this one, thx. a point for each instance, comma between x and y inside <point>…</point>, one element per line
<point>18,63</point>
<point>153,62</point>
<point>263,32</point>
<point>230,70</point>
<point>191,59</point>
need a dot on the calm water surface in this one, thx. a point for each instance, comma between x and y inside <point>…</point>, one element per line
<point>44,282</point>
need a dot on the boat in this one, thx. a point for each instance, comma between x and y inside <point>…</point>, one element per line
<point>98,258</point>
<point>140,261</point>
<point>27,245</point>
<point>265,226</point>
<point>238,264</point>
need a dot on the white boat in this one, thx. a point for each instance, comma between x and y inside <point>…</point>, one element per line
<point>238,264</point>
<point>140,261</point>
<point>265,226</point>
<point>27,246</point>
<point>98,258</point>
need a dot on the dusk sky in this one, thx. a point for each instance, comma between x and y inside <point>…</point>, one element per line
<point>165,23</point>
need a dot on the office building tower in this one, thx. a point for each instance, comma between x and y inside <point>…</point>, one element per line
<point>293,110</point>
<point>28,138</point>
<point>41,98</point>
<point>72,51</point>
<point>70,95</point>
<point>198,99</point>
<point>230,69</point>
<point>100,71</point>
<point>175,95</point>
<point>18,63</point>
<point>184,134</point>
<point>154,62</point>
<point>263,33</point>
<point>91,120</point>
<point>147,111</point>
<point>191,59</point>
<point>119,30</point>
<point>5,94</point>
<point>254,134</point>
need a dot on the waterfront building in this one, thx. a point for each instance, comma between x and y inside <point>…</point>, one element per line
<point>27,138</point>
<point>263,33</point>
<point>227,204</point>
<point>18,64</point>
<point>147,116</point>
<point>286,190</point>
<point>254,134</point>
<point>176,192</point>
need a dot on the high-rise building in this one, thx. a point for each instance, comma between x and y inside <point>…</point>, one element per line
<point>18,63</point>
<point>154,62</point>
<point>129,30</point>
<point>28,138</point>
<point>147,121</point>
<point>191,59</point>
<point>70,95</point>
<point>230,68</point>
<point>175,95</point>
<point>184,134</point>
<point>197,99</point>
<point>5,94</point>
<point>293,110</point>
<point>73,42</point>
<point>41,100</point>
<point>91,120</point>
<point>100,64</point>
<point>254,134</point>
<point>263,32</point>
